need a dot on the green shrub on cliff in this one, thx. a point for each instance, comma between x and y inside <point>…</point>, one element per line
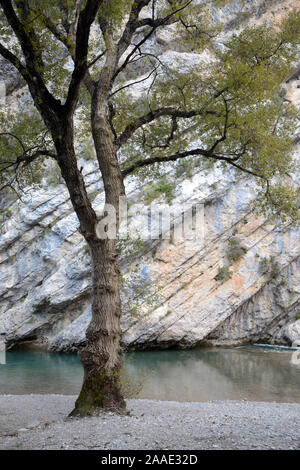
<point>235,251</point>
<point>270,266</point>
<point>224,274</point>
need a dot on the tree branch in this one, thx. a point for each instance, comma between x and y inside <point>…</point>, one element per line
<point>155,24</point>
<point>32,72</point>
<point>195,152</point>
<point>85,20</point>
<point>25,11</point>
<point>155,114</point>
<point>131,25</point>
<point>133,83</point>
<point>52,27</point>
<point>169,158</point>
<point>67,38</point>
<point>22,161</point>
<point>224,136</point>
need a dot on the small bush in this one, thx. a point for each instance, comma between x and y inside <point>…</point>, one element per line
<point>235,251</point>
<point>88,152</point>
<point>293,295</point>
<point>271,266</point>
<point>154,251</point>
<point>239,19</point>
<point>214,186</point>
<point>5,214</point>
<point>52,179</point>
<point>93,194</point>
<point>184,168</point>
<point>297,316</point>
<point>85,249</point>
<point>264,265</point>
<point>163,188</point>
<point>224,274</point>
<point>131,387</point>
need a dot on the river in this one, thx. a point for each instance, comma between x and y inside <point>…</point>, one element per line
<point>206,374</point>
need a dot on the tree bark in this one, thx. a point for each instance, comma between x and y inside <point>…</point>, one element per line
<point>101,356</point>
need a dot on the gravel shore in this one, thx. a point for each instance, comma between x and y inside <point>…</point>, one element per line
<point>39,422</point>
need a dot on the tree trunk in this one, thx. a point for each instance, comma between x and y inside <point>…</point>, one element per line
<point>100,358</point>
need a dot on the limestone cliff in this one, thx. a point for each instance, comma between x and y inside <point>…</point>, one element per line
<point>45,272</point>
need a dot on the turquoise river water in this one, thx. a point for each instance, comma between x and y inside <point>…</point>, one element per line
<point>248,373</point>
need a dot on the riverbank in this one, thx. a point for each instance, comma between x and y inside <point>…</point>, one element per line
<point>38,422</point>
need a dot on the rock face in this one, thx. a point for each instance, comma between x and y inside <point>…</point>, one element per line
<point>239,284</point>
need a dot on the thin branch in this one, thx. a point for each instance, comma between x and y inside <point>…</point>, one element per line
<point>13,59</point>
<point>98,57</point>
<point>131,25</point>
<point>52,27</point>
<point>134,83</point>
<point>16,138</point>
<point>33,70</point>
<point>86,18</point>
<point>199,31</point>
<point>19,163</point>
<point>67,39</point>
<point>224,136</point>
<point>162,21</point>
<point>156,24</point>
<point>142,55</point>
<point>27,159</point>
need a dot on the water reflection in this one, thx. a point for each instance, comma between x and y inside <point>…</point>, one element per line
<point>214,374</point>
<point>197,375</point>
<point>40,372</point>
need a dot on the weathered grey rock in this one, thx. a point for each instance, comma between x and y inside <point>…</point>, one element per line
<point>74,335</point>
<point>292,333</point>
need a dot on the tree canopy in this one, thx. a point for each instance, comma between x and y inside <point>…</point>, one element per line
<point>222,102</point>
